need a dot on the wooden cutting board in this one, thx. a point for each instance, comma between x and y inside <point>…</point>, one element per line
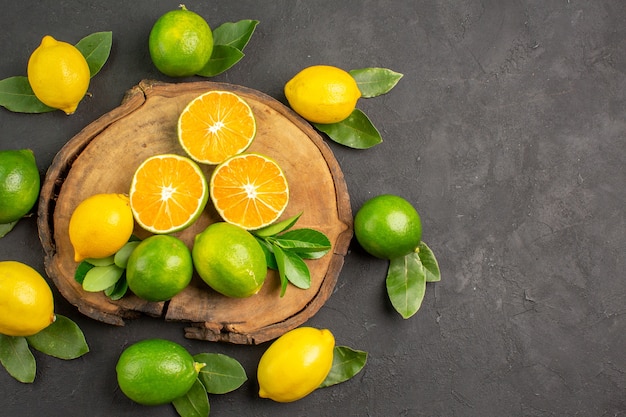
<point>102,159</point>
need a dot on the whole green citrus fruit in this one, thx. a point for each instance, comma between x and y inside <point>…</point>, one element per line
<point>156,371</point>
<point>180,43</point>
<point>19,184</point>
<point>230,260</point>
<point>388,227</point>
<point>159,268</point>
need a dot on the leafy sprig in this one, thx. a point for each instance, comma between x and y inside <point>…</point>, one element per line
<point>286,251</point>
<point>107,274</point>
<point>407,277</point>
<point>17,95</point>
<point>229,40</point>
<point>358,131</point>
<point>63,339</point>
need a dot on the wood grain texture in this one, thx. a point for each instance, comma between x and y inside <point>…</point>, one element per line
<point>102,159</point>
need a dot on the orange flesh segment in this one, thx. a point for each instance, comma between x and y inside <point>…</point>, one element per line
<point>215,126</point>
<point>167,193</point>
<point>250,191</point>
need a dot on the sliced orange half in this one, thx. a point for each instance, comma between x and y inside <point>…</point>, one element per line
<point>249,190</point>
<point>216,126</point>
<point>168,193</point>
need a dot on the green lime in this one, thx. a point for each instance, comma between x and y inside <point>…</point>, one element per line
<point>19,184</point>
<point>159,268</point>
<point>156,371</point>
<point>230,260</point>
<point>180,43</point>
<point>388,227</point>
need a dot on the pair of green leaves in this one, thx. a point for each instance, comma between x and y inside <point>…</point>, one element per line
<point>220,375</point>
<point>357,131</point>
<point>17,95</point>
<point>107,274</point>
<point>229,40</point>
<point>62,339</point>
<point>285,251</point>
<point>407,277</point>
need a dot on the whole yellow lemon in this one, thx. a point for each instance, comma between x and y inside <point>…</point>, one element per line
<point>322,94</point>
<point>58,74</point>
<point>26,303</point>
<point>295,364</point>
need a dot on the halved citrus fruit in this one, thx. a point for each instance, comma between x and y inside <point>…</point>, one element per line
<point>168,193</point>
<point>249,190</point>
<point>215,126</point>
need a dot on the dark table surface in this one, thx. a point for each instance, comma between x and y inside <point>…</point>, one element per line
<point>507,132</point>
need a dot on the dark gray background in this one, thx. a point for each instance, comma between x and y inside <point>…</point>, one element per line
<point>507,133</point>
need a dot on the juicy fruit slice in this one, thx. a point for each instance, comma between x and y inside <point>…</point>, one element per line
<point>58,74</point>
<point>156,371</point>
<point>322,94</point>
<point>26,303</point>
<point>100,225</point>
<point>388,226</point>
<point>180,43</point>
<point>159,268</point>
<point>19,184</point>
<point>295,364</point>
<point>215,126</point>
<point>168,193</point>
<point>249,190</point>
<point>230,260</point>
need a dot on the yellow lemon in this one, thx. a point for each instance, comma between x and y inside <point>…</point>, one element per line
<point>100,225</point>
<point>322,94</point>
<point>295,364</point>
<point>58,74</point>
<point>26,304</point>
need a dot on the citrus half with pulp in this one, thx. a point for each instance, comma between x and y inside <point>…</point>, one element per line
<point>295,364</point>
<point>159,268</point>
<point>168,193</point>
<point>322,94</point>
<point>26,303</point>
<point>230,260</point>
<point>249,190</point>
<point>388,226</point>
<point>59,74</point>
<point>180,43</point>
<point>156,371</point>
<point>215,126</point>
<point>100,225</point>
<point>19,184</point>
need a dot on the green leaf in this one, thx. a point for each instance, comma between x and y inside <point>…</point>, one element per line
<point>304,242</point>
<point>406,284</point>
<point>235,34</point>
<point>81,271</point>
<point>6,228</point>
<point>121,256</point>
<point>96,49</point>
<point>63,339</point>
<point>292,267</point>
<point>280,256</point>
<point>276,228</point>
<point>431,267</point>
<point>117,290</point>
<point>373,82</point>
<point>195,403</point>
<point>347,363</point>
<point>222,58</point>
<point>17,96</point>
<point>99,278</point>
<point>100,261</point>
<point>357,131</point>
<point>269,254</point>
<point>221,373</point>
<point>17,358</point>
